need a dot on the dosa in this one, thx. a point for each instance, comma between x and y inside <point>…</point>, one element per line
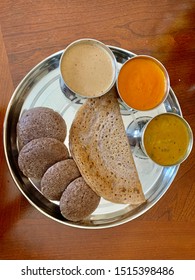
<point>100,147</point>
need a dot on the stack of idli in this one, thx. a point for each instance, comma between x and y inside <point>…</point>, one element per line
<point>41,133</point>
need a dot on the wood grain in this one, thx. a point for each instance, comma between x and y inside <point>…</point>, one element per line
<point>33,30</point>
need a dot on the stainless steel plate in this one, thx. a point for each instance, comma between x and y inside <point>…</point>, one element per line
<point>41,87</point>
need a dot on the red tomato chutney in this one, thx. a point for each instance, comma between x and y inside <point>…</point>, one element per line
<point>143,83</point>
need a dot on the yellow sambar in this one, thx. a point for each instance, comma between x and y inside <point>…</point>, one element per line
<point>167,139</point>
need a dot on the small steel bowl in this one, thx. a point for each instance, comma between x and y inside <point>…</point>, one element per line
<point>161,66</point>
<point>190,143</point>
<point>66,89</point>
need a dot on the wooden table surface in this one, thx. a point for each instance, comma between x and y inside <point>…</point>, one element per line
<point>32,30</point>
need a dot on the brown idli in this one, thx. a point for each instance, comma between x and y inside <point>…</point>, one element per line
<point>99,145</point>
<point>40,122</point>
<point>58,177</point>
<point>78,201</point>
<point>39,154</point>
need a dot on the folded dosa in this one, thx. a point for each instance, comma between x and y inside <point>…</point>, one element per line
<point>99,145</point>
